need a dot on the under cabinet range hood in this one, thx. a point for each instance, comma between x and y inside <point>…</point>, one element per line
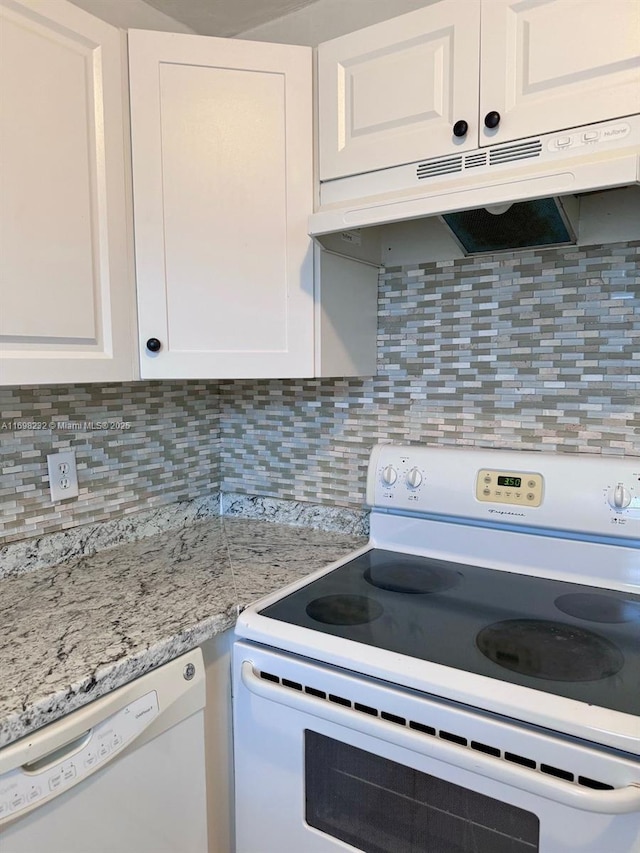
<point>523,225</point>
<point>473,192</point>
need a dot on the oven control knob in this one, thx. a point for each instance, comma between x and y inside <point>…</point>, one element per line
<point>389,475</point>
<point>414,478</point>
<point>619,497</point>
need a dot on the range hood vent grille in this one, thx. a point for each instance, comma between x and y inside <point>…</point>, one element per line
<point>435,168</point>
<point>473,160</point>
<point>520,151</point>
<point>492,157</point>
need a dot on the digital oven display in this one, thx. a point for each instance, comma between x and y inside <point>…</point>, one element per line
<point>514,482</point>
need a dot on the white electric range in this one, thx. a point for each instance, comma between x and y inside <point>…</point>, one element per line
<point>468,682</point>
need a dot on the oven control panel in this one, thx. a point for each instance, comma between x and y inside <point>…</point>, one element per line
<point>591,494</point>
<point>509,487</point>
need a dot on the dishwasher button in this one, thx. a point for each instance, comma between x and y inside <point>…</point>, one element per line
<point>4,808</point>
<point>69,773</point>
<point>55,782</point>
<point>103,750</point>
<point>116,740</point>
<point>33,794</point>
<point>90,760</point>
<point>17,802</point>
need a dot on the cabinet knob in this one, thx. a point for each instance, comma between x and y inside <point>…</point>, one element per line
<point>460,128</point>
<point>154,345</point>
<point>492,119</point>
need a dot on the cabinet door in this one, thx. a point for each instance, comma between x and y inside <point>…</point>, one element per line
<point>222,174</point>
<point>554,64</point>
<point>391,93</point>
<point>67,297</point>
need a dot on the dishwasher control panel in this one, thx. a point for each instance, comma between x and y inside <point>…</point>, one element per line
<point>42,779</point>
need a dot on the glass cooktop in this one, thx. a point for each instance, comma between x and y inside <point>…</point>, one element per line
<point>575,641</point>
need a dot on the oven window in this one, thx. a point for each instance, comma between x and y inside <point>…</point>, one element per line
<point>379,806</point>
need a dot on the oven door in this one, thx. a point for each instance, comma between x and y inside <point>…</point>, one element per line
<point>329,761</point>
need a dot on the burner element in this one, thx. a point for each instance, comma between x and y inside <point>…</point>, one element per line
<point>406,574</point>
<point>595,607</point>
<point>344,609</point>
<point>551,650</point>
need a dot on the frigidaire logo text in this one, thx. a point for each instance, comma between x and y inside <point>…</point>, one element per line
<point>506,512</point>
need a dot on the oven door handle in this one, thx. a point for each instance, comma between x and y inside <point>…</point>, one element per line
<point>616,801</point>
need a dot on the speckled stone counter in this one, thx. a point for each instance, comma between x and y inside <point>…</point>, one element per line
<point>73,632</point>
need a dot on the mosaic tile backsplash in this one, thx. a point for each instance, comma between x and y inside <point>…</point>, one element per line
<point>534,350</point>
<point>162,446</point>
<point>538,349</point>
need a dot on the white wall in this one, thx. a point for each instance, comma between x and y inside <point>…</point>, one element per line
<point>327,19</point>
<point>310,25</point>
<point>132,14</point>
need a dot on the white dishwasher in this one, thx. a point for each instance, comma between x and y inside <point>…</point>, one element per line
<point>125,773</point>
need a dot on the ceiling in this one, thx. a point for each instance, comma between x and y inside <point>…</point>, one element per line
<point>226,17</point>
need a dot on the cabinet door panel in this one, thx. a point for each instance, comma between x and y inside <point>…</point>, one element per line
<point>391,93</point>
<point>204,240</point>
<point>554,64</point>
<point>222,188</point>
<point>66,289</point>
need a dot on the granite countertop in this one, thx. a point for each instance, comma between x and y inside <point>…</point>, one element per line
<point>73,632</point>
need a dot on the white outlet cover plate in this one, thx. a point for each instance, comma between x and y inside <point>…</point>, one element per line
<point>63,476</point>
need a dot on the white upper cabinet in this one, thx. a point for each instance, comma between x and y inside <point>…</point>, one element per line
<point>552,65</point>
<point>223,183</point>
<point>392,93</point>
<point>397,92</point>
<point>66,285</point>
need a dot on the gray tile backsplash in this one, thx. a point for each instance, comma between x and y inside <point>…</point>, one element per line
<point>537,349</point>
<point>162,447</point>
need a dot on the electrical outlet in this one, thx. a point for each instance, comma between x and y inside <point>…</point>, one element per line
<point>63,476</point>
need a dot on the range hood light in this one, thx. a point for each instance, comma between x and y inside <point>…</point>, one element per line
<point>498,209</point>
